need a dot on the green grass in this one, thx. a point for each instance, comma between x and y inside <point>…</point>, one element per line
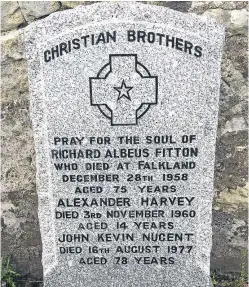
<point>8,275</point>
<point>243,272</point>
<point>239,282</point>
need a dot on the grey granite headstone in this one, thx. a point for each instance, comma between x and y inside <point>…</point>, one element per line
<point>124,102</point>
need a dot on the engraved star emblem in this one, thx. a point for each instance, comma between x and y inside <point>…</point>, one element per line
<point>123,91</point>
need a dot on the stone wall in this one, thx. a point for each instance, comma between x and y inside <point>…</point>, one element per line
<point>20,226</point>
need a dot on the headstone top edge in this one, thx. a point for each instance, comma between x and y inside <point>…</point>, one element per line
<point>130,10</point>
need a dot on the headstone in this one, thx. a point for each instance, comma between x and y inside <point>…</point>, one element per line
<point>124,102</point>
